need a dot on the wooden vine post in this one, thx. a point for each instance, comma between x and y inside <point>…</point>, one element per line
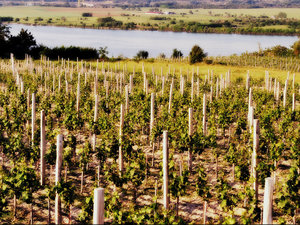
<point>43,147</point>
<point>285,93</point>
<point>166,199</point>
<point>98,213</point>
<point>121,164</point>
<point>192,87</point>
<point>33,117</point>
<point>126,99</point>
<point>96,109</point>
<point>268,199</point>
<point>170,97</point>
<point>217,87</point>
<point>28,99</point>
<point>190,157</point>
<point>152,112</point>
<point>59,155</point>
<point>95,120</point>
<point>198,87</point>
<point>294,102</point>
<point>247,80</point>
<point>251,118</point>
<point>256,132</point>
<point>204,212</point>
<point>204,125</point>
<point>250,103</point>
<point>211,93</point>
<point>162,85</point>
<point>78,93</point>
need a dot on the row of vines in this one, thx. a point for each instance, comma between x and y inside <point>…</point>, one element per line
<point>108,123</point>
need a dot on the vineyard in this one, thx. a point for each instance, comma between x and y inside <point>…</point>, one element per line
<point>143,143</point>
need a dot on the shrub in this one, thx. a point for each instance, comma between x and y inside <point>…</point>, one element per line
<point>208,61</point>
<point>158,18</point>
<point>278,50</point>
<point>6,19</point>
<point>109,22</point>
<point>87,14</point>
<point>296,48</point>
<point>281,15</point>
<point>197,54</point>
<point>176,53</point>
<point>71,52</point>
<point>142,55</point>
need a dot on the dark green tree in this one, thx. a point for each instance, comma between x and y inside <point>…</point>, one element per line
<point>103,53</point>
<point>197,54</point>
<point>176,53</point>
<point>21,44</point>
<point>142,54</point>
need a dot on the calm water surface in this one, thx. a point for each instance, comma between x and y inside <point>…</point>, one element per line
<point>128,43</point>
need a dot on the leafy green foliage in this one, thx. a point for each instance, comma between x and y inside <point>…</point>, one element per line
<point>21,181</point>
<point>197,54</point>
<point>202,186</point>
<point>288,200</point>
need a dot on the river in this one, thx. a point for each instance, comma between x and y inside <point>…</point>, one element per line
<point>128,43</point>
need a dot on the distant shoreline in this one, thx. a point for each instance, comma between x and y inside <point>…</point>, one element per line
<point>165,30</point>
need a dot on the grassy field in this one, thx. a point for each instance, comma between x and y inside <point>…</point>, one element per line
<point>73,16</point>
<point>236,72</point>
<point>202,14</point>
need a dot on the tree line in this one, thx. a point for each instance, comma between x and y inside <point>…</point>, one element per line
<point>24,43</point>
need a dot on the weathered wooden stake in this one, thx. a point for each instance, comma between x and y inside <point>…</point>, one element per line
<point>28,99</point>
<point>268,199</point>
<point>190,157</point>
<point>204,115</point>
<point>247,80</point>
<point>78,93</point>
<point>147,86</point>
<point>43,147</point>
<point>294,102</point>
<point>59,148</point>
<point>162,85</point>
<point>182,85</point>
<point>217,87</point>
<point>152,112</point>
<point>198,87</point>
<point>166,169</point>
<point>33,117</point>
<point>96,109</point>
<point>254,155</point>
<point>59,81</point>
<point>121,164</point>
<point>170,98</point>
<point>192,87</point>
<point>67,87</point>
<point>126,99</point>
<point>204,212</point>
<point>285,93</point>
<point>98,214</point>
